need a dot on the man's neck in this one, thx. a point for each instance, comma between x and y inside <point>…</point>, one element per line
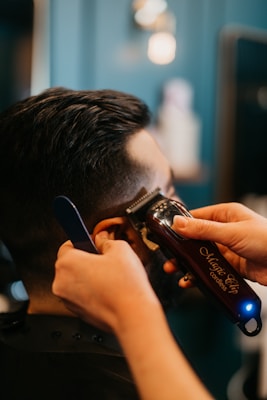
<point>48,305</point>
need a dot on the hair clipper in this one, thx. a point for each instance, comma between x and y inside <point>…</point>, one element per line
<point>152,216</point>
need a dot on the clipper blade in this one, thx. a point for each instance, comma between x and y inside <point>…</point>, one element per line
<point>137,211</point>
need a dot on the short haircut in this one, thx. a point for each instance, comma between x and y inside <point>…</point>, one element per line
<point>64,142</point>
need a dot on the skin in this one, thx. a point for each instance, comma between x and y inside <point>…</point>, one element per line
<point>123,318</point>
<point>116,296</point>
<point>240,233</point>
<point>134,319</point>
<point>93,287</point>
<point>144,148</point>
<point>146,151</point>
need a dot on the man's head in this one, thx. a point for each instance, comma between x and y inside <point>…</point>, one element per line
<point>88,145</point>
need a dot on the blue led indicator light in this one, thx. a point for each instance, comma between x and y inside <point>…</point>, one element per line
<point>249,307</point>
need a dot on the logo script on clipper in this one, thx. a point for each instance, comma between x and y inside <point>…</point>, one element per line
<point>227,282</point>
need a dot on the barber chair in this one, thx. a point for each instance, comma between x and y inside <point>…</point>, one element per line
<point>13,296</point>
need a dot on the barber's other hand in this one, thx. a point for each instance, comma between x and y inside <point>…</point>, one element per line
<point>240,233</point>
<point>102,289</point>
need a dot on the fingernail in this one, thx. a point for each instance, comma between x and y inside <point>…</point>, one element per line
<point>180,221</point>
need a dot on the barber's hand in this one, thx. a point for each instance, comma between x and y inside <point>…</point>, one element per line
<point>241,235</point>
<point>102,289</point>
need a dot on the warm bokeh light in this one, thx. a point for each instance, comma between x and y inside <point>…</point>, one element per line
<point>146,12</point>
<point>161,48</point>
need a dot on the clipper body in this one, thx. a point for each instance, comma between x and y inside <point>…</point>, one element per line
<point>212,272</point>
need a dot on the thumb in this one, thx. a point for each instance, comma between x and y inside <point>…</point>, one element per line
<point>102,240</point>
<point>200,228</point>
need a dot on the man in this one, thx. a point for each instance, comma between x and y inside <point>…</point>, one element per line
<point>91,146</point>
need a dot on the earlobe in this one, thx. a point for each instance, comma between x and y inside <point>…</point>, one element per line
<point>116,227</point>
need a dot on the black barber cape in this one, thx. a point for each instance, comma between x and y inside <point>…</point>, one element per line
<point>52,357</point>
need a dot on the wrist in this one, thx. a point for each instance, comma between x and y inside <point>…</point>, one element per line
<point>134,314</point>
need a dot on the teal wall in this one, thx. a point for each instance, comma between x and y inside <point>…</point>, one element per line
<point>94,44</point>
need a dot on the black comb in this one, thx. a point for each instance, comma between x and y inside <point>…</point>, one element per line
<point>69,218</point>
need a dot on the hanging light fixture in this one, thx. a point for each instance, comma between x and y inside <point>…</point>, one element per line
<point>147,12</point>
<point>161,48</point>
<point>153,15</point>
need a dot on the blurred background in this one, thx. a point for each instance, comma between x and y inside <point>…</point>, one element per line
<point>201,66</point>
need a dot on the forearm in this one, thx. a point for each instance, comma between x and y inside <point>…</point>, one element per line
<point>158,365</point>
<point>120,297</point>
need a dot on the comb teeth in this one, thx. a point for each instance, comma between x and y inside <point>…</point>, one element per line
<point>145,199</point>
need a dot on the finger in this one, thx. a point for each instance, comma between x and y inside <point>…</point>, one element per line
<point>223,212</point>
<point>170,266</point>
<point>204,229</point>
<point>216,212</point>
<point>101,241</point>
<point>65,247</point>
<point>107,245</point>
<point>185,284</point>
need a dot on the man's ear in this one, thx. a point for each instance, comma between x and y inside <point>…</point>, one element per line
<point>116,227</point>
<point>119,228</point>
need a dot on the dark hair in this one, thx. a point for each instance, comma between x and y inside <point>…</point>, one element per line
<point>64,142</point>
